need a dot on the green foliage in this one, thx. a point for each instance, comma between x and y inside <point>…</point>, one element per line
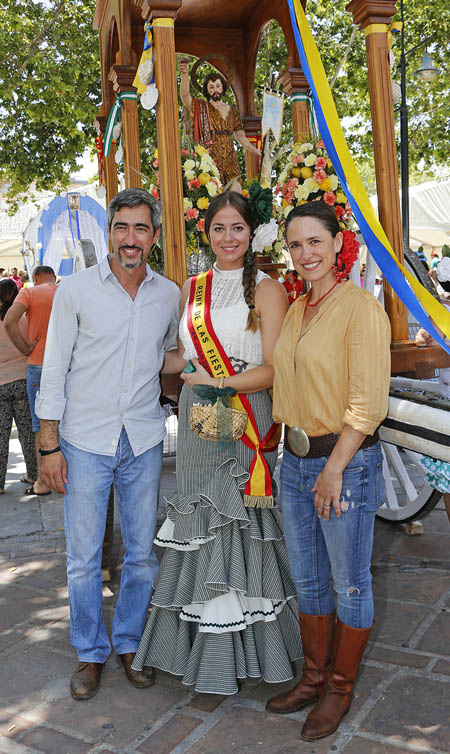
<point>49,90</point>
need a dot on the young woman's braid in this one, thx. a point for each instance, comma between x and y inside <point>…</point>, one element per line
<point>249,284</point>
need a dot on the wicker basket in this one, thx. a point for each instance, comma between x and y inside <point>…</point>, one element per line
<point>203,421</point>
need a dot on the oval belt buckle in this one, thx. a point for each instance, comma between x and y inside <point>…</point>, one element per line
<point>298,441</point>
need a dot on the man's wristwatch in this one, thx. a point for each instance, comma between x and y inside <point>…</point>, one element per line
<point>49,452</point>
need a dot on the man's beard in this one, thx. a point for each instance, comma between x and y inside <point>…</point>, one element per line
<point>216,97</point>
<point>131,265</point>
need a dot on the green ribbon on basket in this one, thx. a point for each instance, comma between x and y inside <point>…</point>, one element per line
<point>221,396</point>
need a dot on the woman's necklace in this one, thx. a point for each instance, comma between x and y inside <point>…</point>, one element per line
<point>322,297</point>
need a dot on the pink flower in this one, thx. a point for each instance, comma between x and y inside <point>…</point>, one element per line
<point>319,145</point>
<point>155,193</point>
<point>329,197</point>
<point>201,225</point>
<point>319,176</point>
<point>339,211</point>
<point>185,151</point>
<point>156,163</point>
<point>191,214</point>
<point>320,163</point>
<point>189,183</point>
<point>292,184</point>
<point>297,159</point>
<point>196,183</point>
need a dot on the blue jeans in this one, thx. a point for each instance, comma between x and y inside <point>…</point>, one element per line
<point>342,545</point>
<point>136,481</point>
<point>34,372</point>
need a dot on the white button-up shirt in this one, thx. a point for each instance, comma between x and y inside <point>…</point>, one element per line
<point>103,356</point>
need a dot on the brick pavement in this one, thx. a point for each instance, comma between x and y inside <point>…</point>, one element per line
<point>401,699</point>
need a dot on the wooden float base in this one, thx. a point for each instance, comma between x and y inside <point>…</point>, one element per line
<point>410,360</point>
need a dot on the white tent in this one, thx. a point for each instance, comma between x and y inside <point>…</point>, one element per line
<point>429,214</point>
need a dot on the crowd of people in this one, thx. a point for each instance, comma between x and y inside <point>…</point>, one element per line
<point>244,588</point>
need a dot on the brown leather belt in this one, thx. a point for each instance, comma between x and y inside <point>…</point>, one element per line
<point>323,445</point>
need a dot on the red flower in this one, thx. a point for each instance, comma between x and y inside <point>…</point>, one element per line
<point>185,151</point>
<point>201,225</point>
<point>339,211</point>
<point>155,193</point>
<point>329,198</point>
<point>347,255</point>
<point>196,183</point>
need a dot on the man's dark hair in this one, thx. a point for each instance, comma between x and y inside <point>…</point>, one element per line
<point>134,197</point>
<point>43,269</point>
<point>8,292</point>
<point>213,77</point>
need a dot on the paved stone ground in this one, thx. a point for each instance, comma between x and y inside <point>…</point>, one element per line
<point>401,699</point>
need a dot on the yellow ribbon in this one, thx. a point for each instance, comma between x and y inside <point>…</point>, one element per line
<point>384,29</point>
<point>434,308</point>
<point>167,22</point>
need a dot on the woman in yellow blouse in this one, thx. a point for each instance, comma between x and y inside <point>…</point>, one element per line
<point>332,370</point>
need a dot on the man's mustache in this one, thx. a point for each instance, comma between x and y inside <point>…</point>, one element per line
<point>133,248</point>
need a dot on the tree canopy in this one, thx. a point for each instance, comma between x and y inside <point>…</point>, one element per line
<point>50,86</point>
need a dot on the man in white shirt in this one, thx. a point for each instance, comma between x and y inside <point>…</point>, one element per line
<point>102,423</point>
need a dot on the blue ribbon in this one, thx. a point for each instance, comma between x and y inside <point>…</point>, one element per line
<point>387,265</point>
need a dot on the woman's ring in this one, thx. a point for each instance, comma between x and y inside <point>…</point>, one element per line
<point>327,505</point>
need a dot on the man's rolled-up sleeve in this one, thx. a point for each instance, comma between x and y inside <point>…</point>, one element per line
<point>61,337</point>
<point>369,361</point>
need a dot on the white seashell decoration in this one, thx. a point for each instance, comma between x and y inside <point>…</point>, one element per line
<point>150,97</point>
<point>146,72</point>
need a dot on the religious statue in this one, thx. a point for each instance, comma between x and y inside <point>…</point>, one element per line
<point>215,123</point>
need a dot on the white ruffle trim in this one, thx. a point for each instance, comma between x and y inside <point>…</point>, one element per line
<point>231,612</point>
<point>165,538</point>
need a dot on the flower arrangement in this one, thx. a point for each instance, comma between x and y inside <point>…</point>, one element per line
<point>309,176</point>
<point>201,182</point>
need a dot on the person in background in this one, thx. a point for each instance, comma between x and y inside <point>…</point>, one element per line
<point>331,387</point>
<point>36,302</point>
<point>13,393</point>
<point>3,273</point>
<point>102,424</point>
<point>437,473</point>
<point>14,276</point>
<point>434,261</point>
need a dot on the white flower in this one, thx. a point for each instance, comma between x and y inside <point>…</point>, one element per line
<point>215,171</point>
<point>188,165</point>
<point>189,175</point>
<point>310,160</point>
<point>205,164</point>
<point>301,192</point>
<point>287,209</point>
<point>305,147</point>
<point>211,188</point>
<point>187,204</point>
<point>311,185</point>
<point>334,180</point>
<point>265,235</point>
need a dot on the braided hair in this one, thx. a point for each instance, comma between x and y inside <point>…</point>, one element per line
<point>8,292</point>
<point>239,203</point>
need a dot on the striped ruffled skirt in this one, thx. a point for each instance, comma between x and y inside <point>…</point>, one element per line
<point>224,605</point>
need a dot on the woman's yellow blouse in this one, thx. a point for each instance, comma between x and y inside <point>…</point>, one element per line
<point>338,372</point>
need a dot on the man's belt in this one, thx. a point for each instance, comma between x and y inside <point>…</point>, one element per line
<point>324,444</point>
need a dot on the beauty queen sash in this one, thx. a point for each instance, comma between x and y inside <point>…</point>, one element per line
<point>258,492</point>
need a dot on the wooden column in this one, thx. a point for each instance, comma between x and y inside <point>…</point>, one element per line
<point>111,183</point>
<point>369,15</point>
<point>252,128</point>
<point>294,82</point>
<point>122,77</point>
<point>163,14</point>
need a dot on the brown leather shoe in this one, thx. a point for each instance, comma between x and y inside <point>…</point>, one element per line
<point>85,681</point>
<point>317,633</point>
<point>140,679</point>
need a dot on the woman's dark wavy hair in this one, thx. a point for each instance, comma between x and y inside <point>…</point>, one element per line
<point>320,211</point>
<point>238,202</point>
<point>213,77</point>
<point>8,292</point>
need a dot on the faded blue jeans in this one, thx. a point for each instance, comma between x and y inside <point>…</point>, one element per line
<point>341,545</point>
<point>136,480</point>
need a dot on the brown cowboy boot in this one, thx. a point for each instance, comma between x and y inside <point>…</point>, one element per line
<point>85,681</point>
<point>348,648</point>
<point>316,632</point>
<point>140,679</point>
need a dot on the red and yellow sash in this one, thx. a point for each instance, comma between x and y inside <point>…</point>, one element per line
<point>258,492</point>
